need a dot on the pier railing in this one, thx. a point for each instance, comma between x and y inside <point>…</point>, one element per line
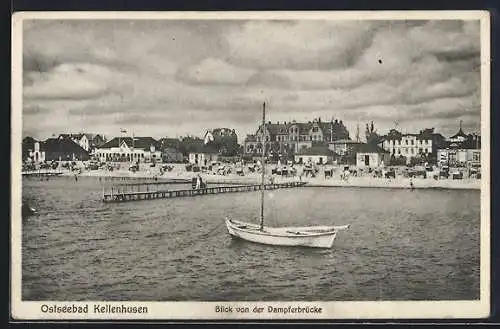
<point>136,192</point>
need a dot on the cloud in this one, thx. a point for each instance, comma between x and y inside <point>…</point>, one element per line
<point>299,45</point>
<point>216,72</point>
<point>69,81</point>
<point>178,76</point>
<point>269,80</point>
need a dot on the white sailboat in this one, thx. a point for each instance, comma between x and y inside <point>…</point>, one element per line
<point>306,236</point>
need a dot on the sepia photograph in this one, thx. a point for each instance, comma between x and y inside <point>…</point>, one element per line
<point>283,161</point>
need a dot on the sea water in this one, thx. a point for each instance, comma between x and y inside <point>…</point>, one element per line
<point>402,245</point>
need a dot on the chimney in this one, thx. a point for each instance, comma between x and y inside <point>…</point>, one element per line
<point>336,121</point>
<point>278,122</point>
<point>341,122</point>
<point>269,122</point>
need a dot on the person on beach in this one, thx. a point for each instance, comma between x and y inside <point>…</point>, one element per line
<point>198,182</point>
<point>411,183</point>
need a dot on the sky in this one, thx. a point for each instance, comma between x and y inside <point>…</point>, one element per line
<point>171,78</point>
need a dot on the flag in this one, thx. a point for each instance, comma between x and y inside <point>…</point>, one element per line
<point>208,137</point>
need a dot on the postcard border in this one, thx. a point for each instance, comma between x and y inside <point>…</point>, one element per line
<point>27,310</point>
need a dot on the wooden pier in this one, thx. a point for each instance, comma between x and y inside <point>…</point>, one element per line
<point>117,194</point>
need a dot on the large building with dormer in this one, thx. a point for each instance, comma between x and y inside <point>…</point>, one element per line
<point>425,143</point>
<point>289,138</point>
<point>128,149</point>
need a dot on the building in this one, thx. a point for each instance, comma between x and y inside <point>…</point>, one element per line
<point>128,149</point>
<point>316,155</point>
<point>32,150</point>
<point>461,150</point>
<point>63,149</point>
<point>171,155</point>
<point>424,144</point>
<point>343,146</point>
<point>469,158</point>
<point>290,137</point>
<point>371,156</point>
<point>203,155</point>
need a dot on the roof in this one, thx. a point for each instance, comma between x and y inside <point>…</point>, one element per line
<point>335,128</point>
<point>29,140</point>
<point>393,135</point>
<point>90,136</point>
<point>63,145</point>
<point>425,134</point>
<point>304,128</point>
<point>344,141</point>
<point>472,141</point>
<point>275,128</point>
<point>138,142</point>
<point>166,141</point>
<point>371,148</point>
<point>316,150</point>
<point>460,133</point>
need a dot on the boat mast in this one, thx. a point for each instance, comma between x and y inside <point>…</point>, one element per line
<point>263,166</point>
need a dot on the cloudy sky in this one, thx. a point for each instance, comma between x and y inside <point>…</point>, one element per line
<point>176,77</point>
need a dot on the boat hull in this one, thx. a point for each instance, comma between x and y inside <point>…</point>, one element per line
<point>311,236</point>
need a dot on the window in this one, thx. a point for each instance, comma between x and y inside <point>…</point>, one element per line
<point>315,129</point>
<point>406,142</point>
<point>412,141</point>
<point>476,156</point>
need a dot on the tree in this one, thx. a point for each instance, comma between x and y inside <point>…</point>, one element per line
<point>397,161</point>
<point>371,134</point>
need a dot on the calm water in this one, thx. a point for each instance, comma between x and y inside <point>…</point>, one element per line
<point>402,245</point>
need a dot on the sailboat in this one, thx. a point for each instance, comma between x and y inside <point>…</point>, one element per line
<point>306,236</point>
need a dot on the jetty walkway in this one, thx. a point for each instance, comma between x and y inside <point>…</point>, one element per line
<point>124,193</point>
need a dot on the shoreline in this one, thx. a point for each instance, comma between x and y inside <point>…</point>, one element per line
<point>255,178</point>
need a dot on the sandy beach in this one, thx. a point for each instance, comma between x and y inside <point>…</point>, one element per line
<point>179,173</point>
